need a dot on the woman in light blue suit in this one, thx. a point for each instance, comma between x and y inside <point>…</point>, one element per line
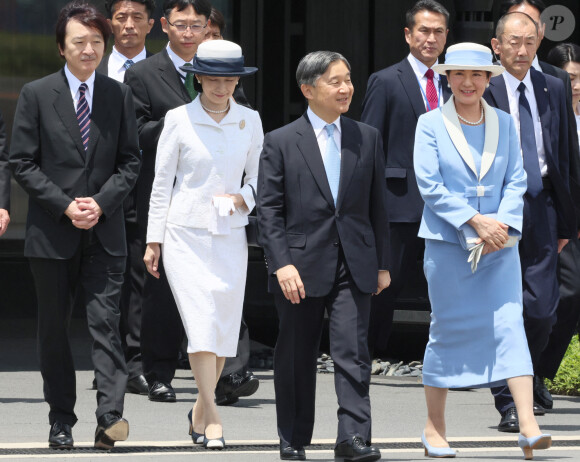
<point>470,174</point>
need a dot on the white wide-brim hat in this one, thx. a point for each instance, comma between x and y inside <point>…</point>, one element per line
<point>219,58</point>
<point>468,56</point>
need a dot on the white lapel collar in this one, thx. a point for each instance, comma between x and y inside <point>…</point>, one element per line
<point>456,133</point>
<point>491,138</point>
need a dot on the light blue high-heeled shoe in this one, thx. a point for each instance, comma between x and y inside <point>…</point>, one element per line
<point>431,451</point>
<point>543,441</point>
<point>197,438</point>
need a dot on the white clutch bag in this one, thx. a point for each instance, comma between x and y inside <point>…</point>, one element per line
<point>468,239</point>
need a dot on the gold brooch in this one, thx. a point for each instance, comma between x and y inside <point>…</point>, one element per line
<point>242,124</point>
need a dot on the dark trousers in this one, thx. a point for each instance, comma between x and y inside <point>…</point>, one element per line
<point>405,249</point>
<point>539,259</point>
<point>101,276</point>
<point>295,361</point>
<point>161,329</point>
<point>132,300</point>
<point>567,313</point>
<point>239,363</point>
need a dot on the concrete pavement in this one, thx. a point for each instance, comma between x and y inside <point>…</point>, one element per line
<point>159,431</point>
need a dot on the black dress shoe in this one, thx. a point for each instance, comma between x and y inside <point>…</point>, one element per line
<point>161,392</point>
<point>111,427</point>
<point>538,410</point>
<point>356,449</point>
<point>138,385</point>
<point>509,421</point>
<point>291,453</point>
<point>541,394</point>
<point>60,436</point>
<point>231,387</point>
<point>94,386</point>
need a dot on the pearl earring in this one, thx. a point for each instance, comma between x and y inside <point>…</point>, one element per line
<point>448,86</point>
<point>487,85</point>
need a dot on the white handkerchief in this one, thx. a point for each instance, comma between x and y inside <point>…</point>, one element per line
<point>219,222</point>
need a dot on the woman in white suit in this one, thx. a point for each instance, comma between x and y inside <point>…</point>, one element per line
<point>198,213</point>
<point>470,174</point>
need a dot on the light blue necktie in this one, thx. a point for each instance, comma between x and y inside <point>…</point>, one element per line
<point>127,64</point>
<point>331,160</point>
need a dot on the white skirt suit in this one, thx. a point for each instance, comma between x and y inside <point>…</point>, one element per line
<point>198,158</point>
<point>476,337</point>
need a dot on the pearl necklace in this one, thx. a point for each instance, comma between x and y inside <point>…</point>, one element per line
<point>215,112</point>
<point>472,123</point>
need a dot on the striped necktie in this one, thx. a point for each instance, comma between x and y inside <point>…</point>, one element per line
<point>529,147</point>
<point>84,115</point>
<point>331,162</point>
<point>127,64</point>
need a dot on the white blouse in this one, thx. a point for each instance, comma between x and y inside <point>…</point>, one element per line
<point>198,158</point>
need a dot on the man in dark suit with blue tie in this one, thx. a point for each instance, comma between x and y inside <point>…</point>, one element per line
<point>323,221</point>
<point>537,102</point>
<point>75,152</point>
<point>395,98</point>
<point>130,23</point>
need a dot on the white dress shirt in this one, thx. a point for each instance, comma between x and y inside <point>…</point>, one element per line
<point>536,64</point>
<point>321,134</point>
<point>177,61</point>
<point>116,65</point>
<point>514,101</point>
<point>419,68</point>
<point>74,84</point>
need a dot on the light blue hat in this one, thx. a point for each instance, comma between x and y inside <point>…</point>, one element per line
<point>468,56</point>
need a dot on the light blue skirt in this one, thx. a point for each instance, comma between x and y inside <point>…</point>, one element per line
<point>477,336</point>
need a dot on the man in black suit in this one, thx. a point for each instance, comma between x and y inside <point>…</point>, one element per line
<point>568,275</point>
<point>130,22</point>
<point>395,98</point>
<point>323,221</point>
<point>4,180</point>
<point>75,152</point>
<point>537,100</point>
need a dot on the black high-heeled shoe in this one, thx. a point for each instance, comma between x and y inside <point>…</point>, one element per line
<point>197,438</point>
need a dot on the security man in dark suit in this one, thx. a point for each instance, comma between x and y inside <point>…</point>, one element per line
<point>395,98</point>
<point>323,222</point>
<point>537,102</point>
<point>75,152</point>
<point>568,274</point>
<point>130,22</point>
<point>4,180</point>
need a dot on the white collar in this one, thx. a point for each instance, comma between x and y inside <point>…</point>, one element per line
<point>74,83</point>
<point>536,64</point>
<point>120,58</point>
<point>318,124</point>
<point>175,59</point>
<point>234,116</point>
<point>512,83</point>
<point>419,68</point>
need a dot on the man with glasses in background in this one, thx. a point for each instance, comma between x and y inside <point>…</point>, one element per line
<point>159,85</point>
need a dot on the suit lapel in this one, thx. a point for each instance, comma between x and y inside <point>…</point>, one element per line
<point>543,103</point>
<point>308,146</point>
<point>170,76</point>
<point>409,81</point>
<point>350,146</point>
<point>99,114</point>
<point>498,92</point>
<point>64,107</point>
<point>455,132</point>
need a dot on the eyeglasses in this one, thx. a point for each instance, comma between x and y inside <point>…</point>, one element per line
<point>195,28</point>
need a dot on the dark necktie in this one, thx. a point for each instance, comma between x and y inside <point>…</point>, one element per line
<point>431,91</point>
<point>128,64</point>
<point>84,115</point>
<point>189,82</point>
<point>529,148</point>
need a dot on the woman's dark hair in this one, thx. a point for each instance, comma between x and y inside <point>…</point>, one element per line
<point>217,19</point>
<point>199,89</point>
<point>564,53</point>
<point>85,14</point>
<point>149,6</point>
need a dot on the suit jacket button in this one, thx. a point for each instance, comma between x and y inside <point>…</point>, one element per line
<point>336,214</point>
<point>335,244</point>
